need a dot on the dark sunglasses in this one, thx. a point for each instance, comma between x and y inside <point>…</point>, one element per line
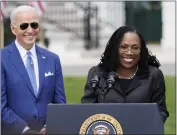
<point>24,26</point>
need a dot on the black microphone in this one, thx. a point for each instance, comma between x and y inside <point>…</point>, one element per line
<point>111,79</point>
<point>94,82</point>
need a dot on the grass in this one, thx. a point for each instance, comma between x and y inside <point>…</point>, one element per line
<point>170,125</point>
<point>75,88</point>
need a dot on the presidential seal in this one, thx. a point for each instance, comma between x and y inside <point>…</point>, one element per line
<point>101,124</point>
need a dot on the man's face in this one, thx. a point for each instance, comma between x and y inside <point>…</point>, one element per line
<point>26,37</point>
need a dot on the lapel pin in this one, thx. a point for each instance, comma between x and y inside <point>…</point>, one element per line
<point>43,57</point>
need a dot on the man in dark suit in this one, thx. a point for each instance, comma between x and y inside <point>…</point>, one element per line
<point>31,77</point>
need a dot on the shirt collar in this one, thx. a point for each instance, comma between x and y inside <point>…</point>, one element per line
<point>23,51</point>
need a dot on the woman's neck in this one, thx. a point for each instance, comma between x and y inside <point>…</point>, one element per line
<point>127,73</point>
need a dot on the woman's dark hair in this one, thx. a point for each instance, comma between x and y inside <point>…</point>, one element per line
<point>109,59</point>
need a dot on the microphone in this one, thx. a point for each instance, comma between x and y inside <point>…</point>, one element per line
<point>111,79</point>
<point>94,82</point>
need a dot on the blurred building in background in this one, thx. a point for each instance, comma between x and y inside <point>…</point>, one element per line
<point>90,24</point>
<point>79,31</point>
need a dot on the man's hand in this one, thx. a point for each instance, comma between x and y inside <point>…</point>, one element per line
<point>42,132</point>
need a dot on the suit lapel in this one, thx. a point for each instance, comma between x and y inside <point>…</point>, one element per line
<point>17,61</point>
<point>42,61</point>
<point>134,84</point>
<point>117,87</point>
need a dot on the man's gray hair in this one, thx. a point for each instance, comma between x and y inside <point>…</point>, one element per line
<point>22,8</point>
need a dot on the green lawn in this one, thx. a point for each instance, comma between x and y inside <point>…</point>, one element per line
<point>74,91</point>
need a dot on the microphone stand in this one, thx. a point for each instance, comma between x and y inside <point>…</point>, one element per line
<point>101,94</point>
<point>110,82</point>
<point>101,91</point>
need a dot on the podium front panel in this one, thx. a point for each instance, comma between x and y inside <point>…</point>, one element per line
<point>133,118</point>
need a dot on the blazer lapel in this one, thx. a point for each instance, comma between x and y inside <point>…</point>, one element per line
<point>42,61</point>
<point>19,65</point>
<point>117,88</point>
<point>134,84</point>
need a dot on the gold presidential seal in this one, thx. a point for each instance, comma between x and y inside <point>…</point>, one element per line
<point>101,124</point>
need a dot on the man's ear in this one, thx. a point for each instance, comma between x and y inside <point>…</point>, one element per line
<point>13,29</point>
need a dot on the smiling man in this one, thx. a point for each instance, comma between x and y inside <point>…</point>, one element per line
<point>31,77</point>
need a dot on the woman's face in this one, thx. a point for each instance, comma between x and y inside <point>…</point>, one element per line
<point>129,50</point>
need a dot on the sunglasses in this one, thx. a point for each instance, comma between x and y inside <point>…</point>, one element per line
<point>24,26</point>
